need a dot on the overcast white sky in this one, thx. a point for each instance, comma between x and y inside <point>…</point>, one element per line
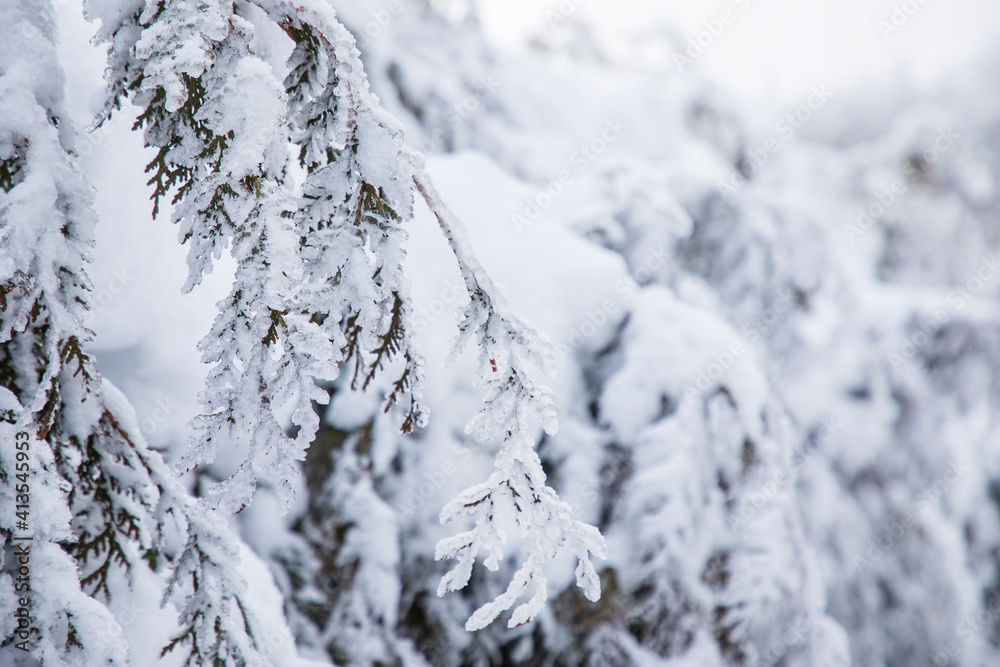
<point>774,50</point>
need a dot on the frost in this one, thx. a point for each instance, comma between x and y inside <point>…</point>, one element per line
<point>513,402</point>
<point>319,278</point>
<point>776,393</point>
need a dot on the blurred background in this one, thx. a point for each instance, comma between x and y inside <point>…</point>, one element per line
<point>775,49</point>
<point>763,235</point>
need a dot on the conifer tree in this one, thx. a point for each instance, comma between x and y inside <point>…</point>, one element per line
<point>319,279</point>
<point>784,423</point>
<point>52,421</point>
<point>95,501</point>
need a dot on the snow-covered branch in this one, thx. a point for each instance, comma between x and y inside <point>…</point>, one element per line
<point>514,405</point>
<point>319,279</point>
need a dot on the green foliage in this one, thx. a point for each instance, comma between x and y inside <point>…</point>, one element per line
<point>10,169</point>
<point>106,530</point>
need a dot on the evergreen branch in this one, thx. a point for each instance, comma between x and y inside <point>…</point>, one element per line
<point>512,401</point>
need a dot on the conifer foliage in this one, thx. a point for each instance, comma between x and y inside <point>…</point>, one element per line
<point>102,505</point>
<point>319,279</point>
<point>513,402</point>
<point>320,285</point>
<point>46,228</point>
<point>783,424</point>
